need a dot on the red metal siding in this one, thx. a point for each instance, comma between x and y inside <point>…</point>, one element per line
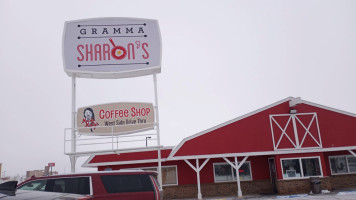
<point>336,129</point>
<point>251,134</point>
<point>145,155</point>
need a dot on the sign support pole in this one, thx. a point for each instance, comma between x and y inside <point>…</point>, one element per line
<point>158,133</point>
<point>73,158</point>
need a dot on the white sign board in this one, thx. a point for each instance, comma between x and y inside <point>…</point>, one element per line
<point>111,48</point>
<point>115,118</point>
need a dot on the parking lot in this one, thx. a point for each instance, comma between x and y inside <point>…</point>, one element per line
<point>347,194</point>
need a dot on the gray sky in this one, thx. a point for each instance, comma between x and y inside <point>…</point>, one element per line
<point>221,59</point>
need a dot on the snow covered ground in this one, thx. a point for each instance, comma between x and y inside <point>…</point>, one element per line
<point>348,195</point>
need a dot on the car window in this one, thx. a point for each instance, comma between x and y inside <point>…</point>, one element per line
<point>38,185</point>
<point>77,185</point>
<point>127,183</point>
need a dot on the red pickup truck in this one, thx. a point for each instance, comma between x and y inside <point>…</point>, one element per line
<point>122,184</point>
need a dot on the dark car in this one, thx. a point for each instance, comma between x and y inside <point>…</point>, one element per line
<point>122,184</point>
<point>8,192</point>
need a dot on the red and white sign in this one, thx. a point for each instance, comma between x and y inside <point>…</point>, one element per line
<point>115,118</point>
<point>112,48</point>
<point>51,164</point>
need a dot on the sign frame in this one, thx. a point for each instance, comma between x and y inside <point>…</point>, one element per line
<point>117,118</point>
<point>136,72</point>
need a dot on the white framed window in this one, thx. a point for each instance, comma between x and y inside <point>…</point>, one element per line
<point>169,174</point>
<point>293,168</point>
<point>342,164</point>
<point>223,172</point>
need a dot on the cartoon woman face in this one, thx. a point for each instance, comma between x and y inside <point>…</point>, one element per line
<point>88,115</point>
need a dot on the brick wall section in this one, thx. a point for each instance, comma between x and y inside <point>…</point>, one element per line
<point>217,189</point>
<point>298,186</point>
<point>343,181</point>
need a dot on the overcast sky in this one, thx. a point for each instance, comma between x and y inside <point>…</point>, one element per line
<point>221,59</point>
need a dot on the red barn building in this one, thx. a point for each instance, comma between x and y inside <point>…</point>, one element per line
<point>275,149</point>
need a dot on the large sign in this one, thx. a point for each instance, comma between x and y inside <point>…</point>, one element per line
<point>115,118</point>
<point>51,164</point>
<point>111,48</point>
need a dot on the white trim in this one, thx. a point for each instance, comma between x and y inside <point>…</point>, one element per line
<point>115,151</point>
<point>242,162</point>
<point>261,153</point>
<point>190,165</point>
<point>308,132</point>
<point>295,122</point>
<point>329,108</point>
<point>353,153</point>
<point>283,132</point>
<point>86,164</point>
<point>302,176</point>
<point>204,163</point>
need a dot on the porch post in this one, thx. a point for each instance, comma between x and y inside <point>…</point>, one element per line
<point>239,192</point>
<point>198,179</point>
<point>197,169</point>
<point>237,166</point>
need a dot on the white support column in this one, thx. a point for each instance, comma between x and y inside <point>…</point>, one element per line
<point>198,179</point>
<point>197,170</point>
<point>237,166</point>
<point>239,192</point>
<point>73,158</point>
<point>158,133</point>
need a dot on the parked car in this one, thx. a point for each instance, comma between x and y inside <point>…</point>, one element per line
<point>8,192</point>
<point>122,184</point>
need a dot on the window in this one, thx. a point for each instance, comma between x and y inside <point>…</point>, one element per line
<point>301,167</point>
<point>223,172</point>
<point>351,160</point>
<point>311,167</point>
<point>127,183</point>
<point>79,185</point>
<point>169,174</point>
<point>38,185</point>
<point>342,164</point>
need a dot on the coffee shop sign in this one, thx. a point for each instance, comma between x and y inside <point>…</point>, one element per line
<point>115,118</point>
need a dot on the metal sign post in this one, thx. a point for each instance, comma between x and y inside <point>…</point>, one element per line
<point>158,133</point>
<point>73,158</point>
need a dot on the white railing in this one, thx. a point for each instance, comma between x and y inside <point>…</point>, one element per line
<point>88,144</point>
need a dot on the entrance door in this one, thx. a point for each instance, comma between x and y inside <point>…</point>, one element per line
<point>273,174</point>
